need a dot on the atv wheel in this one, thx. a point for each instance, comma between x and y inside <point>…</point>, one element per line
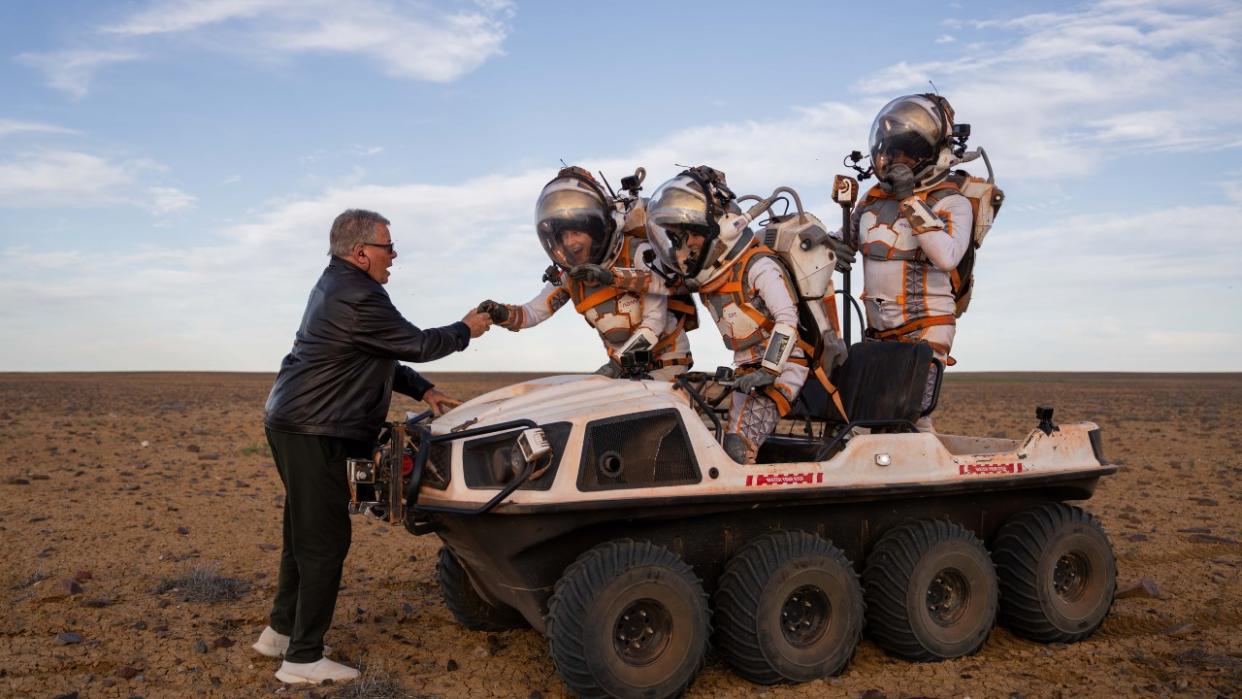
<point>467,606</point>
<point>628,618</point>
<point>1057,573</point>
<point>931,591</point>
<point>788,609</point>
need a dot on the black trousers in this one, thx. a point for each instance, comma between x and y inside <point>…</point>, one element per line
<point>316,536</point>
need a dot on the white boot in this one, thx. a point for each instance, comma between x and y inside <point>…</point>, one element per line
<point>314,673</point>
<point>273,644</point>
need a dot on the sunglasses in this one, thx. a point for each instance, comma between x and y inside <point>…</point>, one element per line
<point>390,247</point>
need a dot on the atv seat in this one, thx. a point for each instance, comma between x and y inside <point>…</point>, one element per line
<point>879,381</point>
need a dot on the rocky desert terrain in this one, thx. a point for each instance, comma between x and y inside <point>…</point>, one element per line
<point>132,501</point>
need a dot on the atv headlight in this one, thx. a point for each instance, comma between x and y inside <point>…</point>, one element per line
<point>496,459</point>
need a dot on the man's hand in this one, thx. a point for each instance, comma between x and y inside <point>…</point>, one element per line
<point>477,322</point>
<point>844,252</point>
<point>593,274</point>
<point>498,312</point>
<point>754,381</point>
<point>440,403</point>
<point>901,181</point>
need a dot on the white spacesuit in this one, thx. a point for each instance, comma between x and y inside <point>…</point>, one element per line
<point>580,226</point>
<point>914,229</point>
<point>697,231</point>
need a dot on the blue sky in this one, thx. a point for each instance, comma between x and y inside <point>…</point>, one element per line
<point>169,170</point>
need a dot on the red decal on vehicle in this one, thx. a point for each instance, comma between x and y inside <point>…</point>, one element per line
<point>785,479</point>
<point>987,469</point>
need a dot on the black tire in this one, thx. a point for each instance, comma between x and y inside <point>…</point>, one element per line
<point>467,606</point>
<point>1057,573</point>
<point>789,608</point>
<point>628,618</point>
<point>931,591</point>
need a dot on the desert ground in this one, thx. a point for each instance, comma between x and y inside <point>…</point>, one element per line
<point>119,486</point>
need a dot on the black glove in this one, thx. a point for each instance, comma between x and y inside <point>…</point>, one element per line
<point>901,181</point>
<point>835,351</point>
<point>497,311</point>
<point>754,381</point>
<point>612,370</point>
<point>844,252</point>
<point>593,274</point>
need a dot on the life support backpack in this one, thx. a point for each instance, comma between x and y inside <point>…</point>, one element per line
<point>985,202</point>
<point>798,241</point>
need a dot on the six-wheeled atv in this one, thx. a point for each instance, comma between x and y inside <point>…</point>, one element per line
<point>605,514</point>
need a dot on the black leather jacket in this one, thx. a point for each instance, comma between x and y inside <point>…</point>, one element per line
<point>339,377</point>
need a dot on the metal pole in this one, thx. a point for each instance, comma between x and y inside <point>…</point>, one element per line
<point>845,193</point>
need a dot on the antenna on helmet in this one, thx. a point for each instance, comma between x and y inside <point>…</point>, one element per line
<point>606,184</point>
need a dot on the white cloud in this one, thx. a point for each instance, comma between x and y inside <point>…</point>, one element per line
<point>59,177</point>
<point>1057,91</point>
<point>9,127</point>
<point>52,178</point>
<point>167,200</point>
<point>72,71</point>
<point>188,15</point>
<point>420,41</point>
<point>945,39</point>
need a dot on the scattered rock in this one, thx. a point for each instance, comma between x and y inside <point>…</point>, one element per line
<point>127,672</point>
<point>68,695</point>
<point>183,530</point>
<point>82,576</point>
<point>1137,537</point>
<point>68,586</point>
<point>1145,588</point>
<point>209,456</point>
<point>67,638</point>
<point>1210,539</point>
<point>200,646</point>
<point>108,682</point>
<point>1209,502</point>
<point>268,547</point>
<point>17,481</point>
<point>97,602</point>
<point>193,449</point>
<point>222,642</point>
<point>873,694</point>
<point>451,665</point>
<point>535,694</point>
<point>1195,530</point>
<point>1177,628</point>
<point>494,644</point>
<point>140,625</point>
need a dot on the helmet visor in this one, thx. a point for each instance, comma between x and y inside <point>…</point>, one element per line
<point>907,130</point>
<point>572,225</point>
<point>677,225</point>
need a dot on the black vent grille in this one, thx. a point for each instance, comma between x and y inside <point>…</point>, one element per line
<point>437,472</point>
<point>635,451</point>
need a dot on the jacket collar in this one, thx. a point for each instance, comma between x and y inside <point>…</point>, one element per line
<point>344,265</point>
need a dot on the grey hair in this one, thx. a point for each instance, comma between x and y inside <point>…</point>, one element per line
<point>352,227</point>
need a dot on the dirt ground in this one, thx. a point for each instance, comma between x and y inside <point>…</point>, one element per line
<point>115,485</point>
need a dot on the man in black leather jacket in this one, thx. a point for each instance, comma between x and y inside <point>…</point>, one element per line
<point>330,399</point>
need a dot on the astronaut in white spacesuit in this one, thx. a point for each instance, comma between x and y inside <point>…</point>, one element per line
<point>913,229</point>
<point>586,232</point>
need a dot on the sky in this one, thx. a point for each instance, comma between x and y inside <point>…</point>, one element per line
<point>169,170</point>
